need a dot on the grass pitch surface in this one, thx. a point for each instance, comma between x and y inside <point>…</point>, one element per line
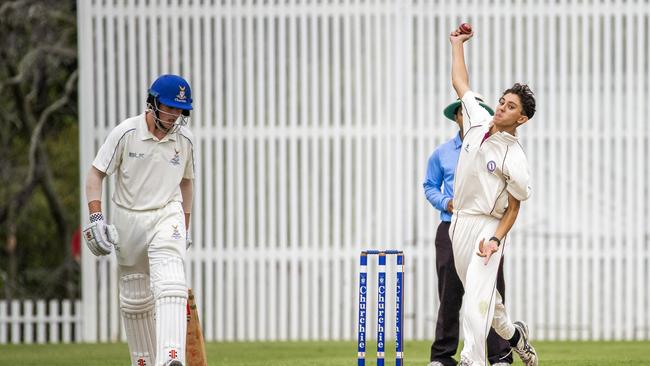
<point>318,354</point>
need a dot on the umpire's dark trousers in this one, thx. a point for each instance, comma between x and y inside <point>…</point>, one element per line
<point>450,292</point>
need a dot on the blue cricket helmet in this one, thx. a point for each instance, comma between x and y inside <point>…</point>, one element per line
<point>172,91</point>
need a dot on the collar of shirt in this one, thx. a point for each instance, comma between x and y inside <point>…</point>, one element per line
<point>501,136</point>
<point>505,137</point>
<point>145,134</point>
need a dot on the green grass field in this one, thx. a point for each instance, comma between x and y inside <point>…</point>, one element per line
<point>316,353</point>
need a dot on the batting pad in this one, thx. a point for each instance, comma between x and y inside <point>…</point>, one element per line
<point>168,280</point>
<point>137,304</point>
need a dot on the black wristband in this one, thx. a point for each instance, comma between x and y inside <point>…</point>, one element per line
<point>496,239</point>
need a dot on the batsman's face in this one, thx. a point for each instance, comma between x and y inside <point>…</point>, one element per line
<point>169,115</point>
<point>509,112</point>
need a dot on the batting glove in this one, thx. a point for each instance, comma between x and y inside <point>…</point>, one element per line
<point>100,237</point>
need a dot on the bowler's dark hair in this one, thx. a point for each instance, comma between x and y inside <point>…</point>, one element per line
<point>526,97</point>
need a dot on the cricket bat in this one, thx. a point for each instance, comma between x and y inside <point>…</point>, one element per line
<point>194,343</point>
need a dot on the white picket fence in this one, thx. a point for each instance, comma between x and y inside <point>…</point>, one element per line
<point>314,120</point>
<point>28,321</point>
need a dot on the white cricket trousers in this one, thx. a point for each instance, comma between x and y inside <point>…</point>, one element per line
<point>151,270</point>
<point>483,305</point>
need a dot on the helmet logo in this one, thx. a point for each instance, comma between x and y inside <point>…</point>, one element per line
<point>180,97</point>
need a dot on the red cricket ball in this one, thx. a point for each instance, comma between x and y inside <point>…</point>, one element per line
<point>465,28</point>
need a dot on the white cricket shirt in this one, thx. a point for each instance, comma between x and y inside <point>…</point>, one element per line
<point>487,171</point>
<point>148,170</point>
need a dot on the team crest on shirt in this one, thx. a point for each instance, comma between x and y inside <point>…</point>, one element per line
<point>176,160</point>
<point>491,166</point>
<point>176,235</point>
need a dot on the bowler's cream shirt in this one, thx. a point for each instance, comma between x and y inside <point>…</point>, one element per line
<point>149,170</point>
<point>487,171</point>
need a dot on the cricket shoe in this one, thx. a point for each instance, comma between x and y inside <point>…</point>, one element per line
<point>501,364</point>
<point>525,351</point>
<point>435,363</point>
<point>174,363</point>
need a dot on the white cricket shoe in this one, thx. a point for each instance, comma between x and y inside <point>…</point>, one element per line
<point>525,351</point>
<point>501,364</point>
<point>174,363</point>
<point>435,363</point>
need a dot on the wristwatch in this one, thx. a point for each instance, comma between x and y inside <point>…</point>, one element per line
<point>496,239</point>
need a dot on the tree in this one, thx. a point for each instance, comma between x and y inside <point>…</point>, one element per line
<point>38,182</point>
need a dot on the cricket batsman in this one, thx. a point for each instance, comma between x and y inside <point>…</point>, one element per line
<point>152,155</point>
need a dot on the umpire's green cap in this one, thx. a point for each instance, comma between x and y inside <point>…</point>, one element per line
<point>450,110</point>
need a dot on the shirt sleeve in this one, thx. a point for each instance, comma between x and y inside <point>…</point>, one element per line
<point>473,113</point>
<point>517,177</point>
<point>109,155</point>
<point>433,183</point>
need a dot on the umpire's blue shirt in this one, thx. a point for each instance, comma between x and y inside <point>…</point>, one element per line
<point>441,169</point>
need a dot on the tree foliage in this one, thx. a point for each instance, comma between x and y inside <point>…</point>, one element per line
<point>39,174</point>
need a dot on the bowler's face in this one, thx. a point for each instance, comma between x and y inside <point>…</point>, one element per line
<point>509,112</point>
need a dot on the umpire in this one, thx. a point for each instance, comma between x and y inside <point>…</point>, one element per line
<point>439,190</point>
